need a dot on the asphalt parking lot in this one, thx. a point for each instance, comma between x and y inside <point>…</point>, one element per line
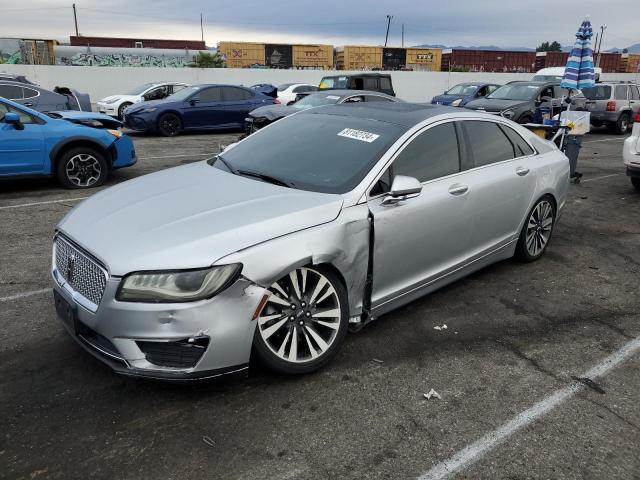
<point>517,334</point>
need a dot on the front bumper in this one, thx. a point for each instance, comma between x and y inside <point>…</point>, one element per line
<point>125,152</point>
<point>138,122</point>
<point>119,333</point>
<point>107,108</point>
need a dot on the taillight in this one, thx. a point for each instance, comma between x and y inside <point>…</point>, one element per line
<point>637,118</point>
<point>611,106</point>
<point>276,101</point>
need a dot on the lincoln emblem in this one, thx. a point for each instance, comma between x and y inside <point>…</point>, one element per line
<point>71,263</point>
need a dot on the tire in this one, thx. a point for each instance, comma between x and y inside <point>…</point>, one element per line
<point>525,119</point>
<point>537,230</point>
<point>635,181</point>
<point>122,108</point>
<point>622,125</point>
<point>169,125</point>
<point>82,167</point>
<point>303,324</point>
<point>596,123</point>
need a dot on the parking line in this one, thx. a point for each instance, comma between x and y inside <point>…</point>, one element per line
<point>478,449</point>
<point>604,140</point>
<point>75,199</point>
<point>600,178</point>
<point>18,296</point>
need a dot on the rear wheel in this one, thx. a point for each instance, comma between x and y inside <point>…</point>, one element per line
<point>525,119</point>
<point>169,125</point>
<point>304,322</point>
<point>622,125</point>
<point>635,181</point>
<point>596,123</point>
<point>536,231</point>
<point>82,167</point>
<point>122,108</point>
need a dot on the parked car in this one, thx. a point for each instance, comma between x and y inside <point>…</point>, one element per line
<point>328,218</point>
<point>80,149</point>
<point>631,153</point>
<point>15,78</point>
<point>555,74</point>
<point>263,116</point>
<point>461,94</point>
<point>519,100</point>
<point>196,108</point>
<point>375,82</point>
<point>613,104</point>
<point>43,100</point>
<point>288,91</point>
<point>115,105</point>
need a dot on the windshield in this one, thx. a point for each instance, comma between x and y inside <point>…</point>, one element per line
<point>316,152</point>
<point>284,86</point>
<point>333,82</point>
<point>183,94</point>
<point>546,78</point>
<point>516,91</point>
<point>315,101</point>
<point>140,89</point>
<point>463,90</point>
<point>600,92</point>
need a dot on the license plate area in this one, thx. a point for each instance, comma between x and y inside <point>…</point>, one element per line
<point>66,311</point>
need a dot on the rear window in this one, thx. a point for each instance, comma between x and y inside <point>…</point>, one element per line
<point>333,82</point>
<point>599,92</point>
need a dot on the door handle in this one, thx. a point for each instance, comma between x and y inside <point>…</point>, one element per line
<point>522,171</point>
<point>28,104</point>
<point>457,189</point>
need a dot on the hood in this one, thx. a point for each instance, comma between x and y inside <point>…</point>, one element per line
<point>131,98</point>
<point>494,104</point>
<point>446,99</point>
<point>272,112</point>
<point>189,217</point>
<point>142,105</point>
<point>90,118</point>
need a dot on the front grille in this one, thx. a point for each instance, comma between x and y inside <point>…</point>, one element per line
<point>180,354</point>
<point>80,271</point>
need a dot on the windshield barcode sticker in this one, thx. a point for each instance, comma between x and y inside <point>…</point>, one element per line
<point>358,135</point>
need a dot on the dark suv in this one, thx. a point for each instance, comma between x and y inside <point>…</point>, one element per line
<point>374,82</point>
<point>518,101</point>
<point>614,104</point>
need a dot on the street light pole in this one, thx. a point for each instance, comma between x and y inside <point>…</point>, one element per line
<point>75,18</point>
<point>201,28</point>
<point>602,29</point>
<point>386,38</point>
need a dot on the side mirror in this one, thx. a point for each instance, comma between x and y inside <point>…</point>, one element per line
<point>194,101</point>
<point>12,118</point>
<point>402,188</point>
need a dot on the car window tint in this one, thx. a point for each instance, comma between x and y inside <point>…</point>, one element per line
<point>3,109</point>
<point>356,99</point>
<point>24,117</point>
<point>233,94</point>
<point>432,154</point>
<point>213,94</point>
<point>621,92</point>
<point>176,88</point>
<point>522,147</point>
<point>370,84</point>
<point>11,92</point>
<point>491,89</point>
<point>376,98</point>
<point>634,93</point>
<point>488,144</point>
<point>385,83</point>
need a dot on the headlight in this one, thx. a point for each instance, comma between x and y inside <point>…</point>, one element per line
<point>508,114</point>
<point>115,133</point>
<point>177,286</point>
<point>113,100</point>
<point>456,103</point>
<point>148,109</point>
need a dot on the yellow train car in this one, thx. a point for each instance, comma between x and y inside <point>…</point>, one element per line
<point>242,54</point>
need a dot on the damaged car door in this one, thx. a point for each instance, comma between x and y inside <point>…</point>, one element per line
<point>420,237</point>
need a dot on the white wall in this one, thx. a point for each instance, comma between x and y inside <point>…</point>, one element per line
<point>100,82</point>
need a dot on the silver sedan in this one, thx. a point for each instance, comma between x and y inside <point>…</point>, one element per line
<point>313,226</point>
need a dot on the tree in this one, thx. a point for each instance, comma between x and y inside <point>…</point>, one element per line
<point>207,60</point>
<point>549,47</point>
<point>625,50</point>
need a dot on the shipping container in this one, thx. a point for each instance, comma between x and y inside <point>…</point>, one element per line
<point>242,54</point>
<point>313,56</point>
<point>630,63</point>
<point>609,62</point>
<point>424,59</point>
<point>357,57</point>
<point>394,58</point>
<point>278,56</point>
<point>488,60</point>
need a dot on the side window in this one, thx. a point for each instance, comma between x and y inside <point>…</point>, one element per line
<point>232,94</point>
<point>482,91</point>
<point>487,143</point>
<point>432,154</point>
<point>385,83</point>
<point>357,99</point>
<point>522,148</point>
<point>3,109</point>
<point>29,92</point>
<point>547,92</point>
<point>491,89</point>
<point>176,88</point>
<point>621,92</point>
<point>11,92</point>
<point>634,93</point>
<point>213,94</point>
<point>24,117</point>
<point>370,83</point>
<point>376,98</point>
<point>157,93</point>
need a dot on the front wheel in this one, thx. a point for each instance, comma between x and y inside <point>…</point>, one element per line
<point>82,167</point>
<point>169,125</point>
<point>536,231</point>
<point>304,321</point>
<point>122,108</point>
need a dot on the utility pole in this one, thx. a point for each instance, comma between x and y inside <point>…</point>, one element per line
<point>386,38</point>
<point>75,19</point>
<point>602,29</point>
<point>201,28</point>
<point>403,35</point>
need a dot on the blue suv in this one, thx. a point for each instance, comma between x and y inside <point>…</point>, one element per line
<point>79,148</point>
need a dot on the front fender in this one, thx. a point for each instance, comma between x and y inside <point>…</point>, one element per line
<point>342,243</point>
<point>61,144</point>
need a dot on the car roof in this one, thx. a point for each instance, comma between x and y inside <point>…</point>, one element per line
<point>18,84</point>
<point>531,82</point>
<point>400,113</point>
<point>345,92</point>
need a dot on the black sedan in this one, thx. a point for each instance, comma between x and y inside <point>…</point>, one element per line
<point>263,116</point>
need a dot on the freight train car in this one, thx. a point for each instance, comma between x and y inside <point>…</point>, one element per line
<point>358,57</point>
<point>242,54</point>
<point>424,59</point>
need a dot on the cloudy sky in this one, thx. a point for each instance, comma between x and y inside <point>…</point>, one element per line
<point>505,23</point>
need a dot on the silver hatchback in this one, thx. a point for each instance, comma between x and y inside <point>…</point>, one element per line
<point>314,225</point>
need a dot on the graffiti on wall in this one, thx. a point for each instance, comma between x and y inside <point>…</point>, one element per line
<point>124,60</point>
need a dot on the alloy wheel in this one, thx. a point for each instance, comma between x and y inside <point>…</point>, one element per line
<point>83,170</point>
<point>539,228</point>
<point>301,318</point>
<point>170,124</point>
